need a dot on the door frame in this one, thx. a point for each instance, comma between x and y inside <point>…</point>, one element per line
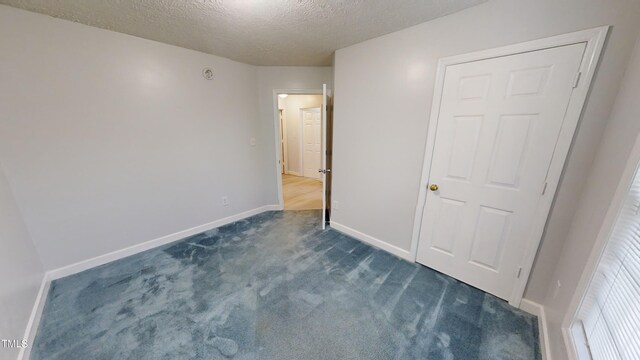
<point>283,142</point>
<point>276,122</point>
<point>594,40</point>
<point>302,110</point>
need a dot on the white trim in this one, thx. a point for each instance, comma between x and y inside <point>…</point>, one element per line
<point>594,39</point>
<point>294,173</point>
<point>617,202</point>
<point>536,309</point>
<point>276,120</point>
<point>131,250</point>
<point>49,276</point>
<point>323,151</point>
<point>284,140</point>
<point>34,318</point>
<point>301,142</point>
<point>402,253</point>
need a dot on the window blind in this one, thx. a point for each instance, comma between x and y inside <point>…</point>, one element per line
<point>610,312</point>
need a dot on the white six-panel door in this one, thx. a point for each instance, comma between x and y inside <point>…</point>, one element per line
<point>312,141</point>
<point>498,125</point>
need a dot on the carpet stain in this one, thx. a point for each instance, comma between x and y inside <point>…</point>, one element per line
<point>276,286</point>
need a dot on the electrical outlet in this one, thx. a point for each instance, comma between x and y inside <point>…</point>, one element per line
<point>252,141</point>
<point>335,205</point>
<point>225,201</point>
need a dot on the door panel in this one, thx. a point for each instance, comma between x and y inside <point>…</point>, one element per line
<point>466,131</point>
<point>312,139</point>
<point>474,87</point>
<point>444,231</point>
<point>528,81</point>
<point>508,155</point>
<point>492,228</point>
<point>498,124</point>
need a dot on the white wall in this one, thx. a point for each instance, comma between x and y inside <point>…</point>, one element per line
<point>21,271</point>
<point>384,89</point>
<point>110,140</point>
<point>292,106</point>
<point>281,77</point>
<point>622,129</point>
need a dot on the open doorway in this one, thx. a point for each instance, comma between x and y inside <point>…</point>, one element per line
<point>300,121</point>
<point>304,133</point>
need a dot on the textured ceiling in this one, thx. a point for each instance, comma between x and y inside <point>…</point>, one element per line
<point>259,32</point>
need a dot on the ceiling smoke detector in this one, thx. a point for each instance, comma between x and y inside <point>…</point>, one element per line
<point>207,73</point>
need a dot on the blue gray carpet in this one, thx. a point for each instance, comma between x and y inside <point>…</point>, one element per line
<point>275,286</point>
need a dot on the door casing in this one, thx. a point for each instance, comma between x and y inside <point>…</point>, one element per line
<point>284,157</point>
<point>594,39</point>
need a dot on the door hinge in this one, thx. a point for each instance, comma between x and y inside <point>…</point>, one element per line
<point>544,189</point>
<point>576,81</point>
<point>519,272</point>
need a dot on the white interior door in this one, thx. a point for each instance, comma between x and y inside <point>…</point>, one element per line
<point>323,150</point>
<point>498,124</point>
<point>312,140</point>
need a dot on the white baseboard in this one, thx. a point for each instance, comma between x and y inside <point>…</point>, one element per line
<point>526,305</point>
<point>294,173</point>
<point>34,318</point>
<point>536,309</point>
<point>36,313</point>
<point>402,253</point>
<point>122,253</point>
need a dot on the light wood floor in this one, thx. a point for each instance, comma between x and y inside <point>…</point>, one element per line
<point>301,193</point>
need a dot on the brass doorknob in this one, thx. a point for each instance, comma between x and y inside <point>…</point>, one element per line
<point>433,187</point>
